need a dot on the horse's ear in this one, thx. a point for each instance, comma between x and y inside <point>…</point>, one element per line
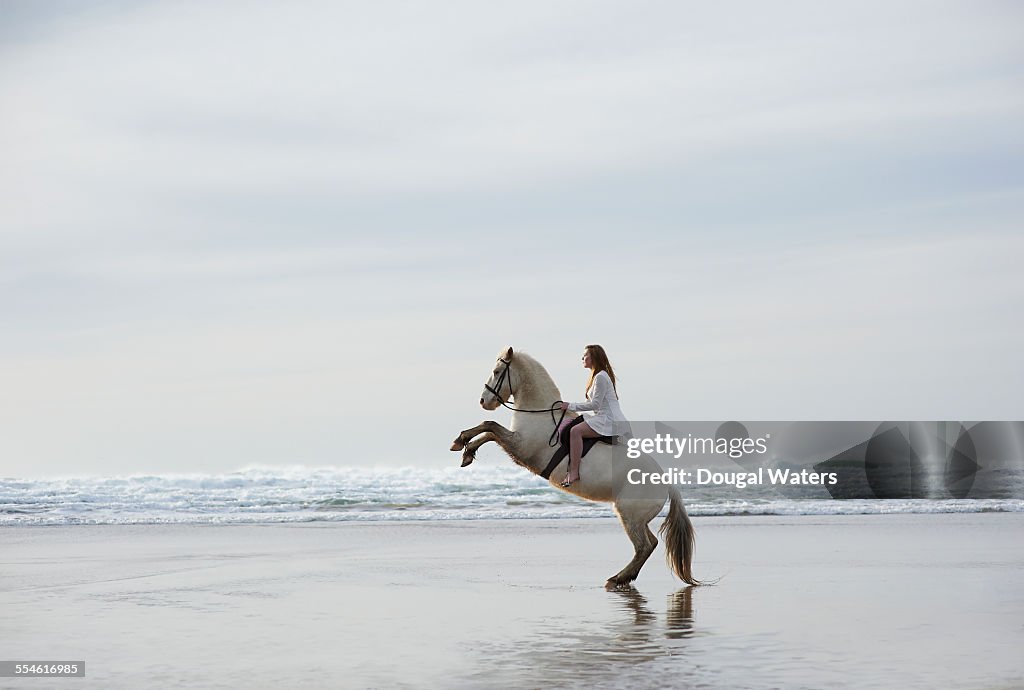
<point>508,355</point>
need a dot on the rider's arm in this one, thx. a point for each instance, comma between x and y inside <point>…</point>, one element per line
<point>600,391</point>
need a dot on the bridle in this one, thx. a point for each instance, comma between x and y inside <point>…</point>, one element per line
<point>506,378</point>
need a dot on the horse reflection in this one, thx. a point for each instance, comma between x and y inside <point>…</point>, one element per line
<point>573,650</point>
<point>679,614</point>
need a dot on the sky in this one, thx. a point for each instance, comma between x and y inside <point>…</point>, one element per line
<point>246,233</point>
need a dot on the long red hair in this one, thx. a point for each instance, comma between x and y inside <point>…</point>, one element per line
<point>598,363</point>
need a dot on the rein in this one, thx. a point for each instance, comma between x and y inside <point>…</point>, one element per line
<point>507,377</point>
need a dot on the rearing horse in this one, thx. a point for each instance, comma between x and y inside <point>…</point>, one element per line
<point>602,479</point>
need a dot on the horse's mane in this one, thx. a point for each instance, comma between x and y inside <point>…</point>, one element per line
<point>537,377</point>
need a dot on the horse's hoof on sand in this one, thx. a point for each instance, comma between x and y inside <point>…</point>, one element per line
<point>615,584</point>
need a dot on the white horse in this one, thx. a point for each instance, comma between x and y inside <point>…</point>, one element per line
<point>519,376</point>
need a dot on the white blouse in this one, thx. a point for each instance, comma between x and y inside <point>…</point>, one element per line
<point>607,419</point>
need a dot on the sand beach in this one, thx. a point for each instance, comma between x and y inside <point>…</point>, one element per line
<point>873,601</point>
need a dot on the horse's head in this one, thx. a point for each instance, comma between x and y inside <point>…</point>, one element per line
<point>498,388</point>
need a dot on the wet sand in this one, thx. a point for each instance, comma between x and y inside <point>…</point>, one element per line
<point>877,601</point>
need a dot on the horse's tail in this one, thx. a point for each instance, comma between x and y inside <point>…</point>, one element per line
<point>679,538</point>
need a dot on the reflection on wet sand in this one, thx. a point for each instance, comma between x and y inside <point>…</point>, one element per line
<point>584,650</point>
<point>679,614</point>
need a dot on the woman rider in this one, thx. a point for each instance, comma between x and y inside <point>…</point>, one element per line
<point>602,400</point>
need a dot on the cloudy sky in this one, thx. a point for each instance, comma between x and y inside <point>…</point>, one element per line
<point>298,233</point>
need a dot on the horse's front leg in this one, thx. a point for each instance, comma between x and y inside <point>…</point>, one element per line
<point>494,432</point>
<point>469,455</point>
<point>466,436</point>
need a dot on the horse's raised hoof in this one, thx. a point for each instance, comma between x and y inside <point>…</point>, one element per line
<point>467,459</point>
<point>458,443</point>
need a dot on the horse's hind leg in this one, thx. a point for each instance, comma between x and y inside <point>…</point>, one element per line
<point>634,519</point>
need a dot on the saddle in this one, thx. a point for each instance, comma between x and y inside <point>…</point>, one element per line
<point>563,449</point>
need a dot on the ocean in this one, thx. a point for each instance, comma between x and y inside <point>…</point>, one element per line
<point>303,494</point>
